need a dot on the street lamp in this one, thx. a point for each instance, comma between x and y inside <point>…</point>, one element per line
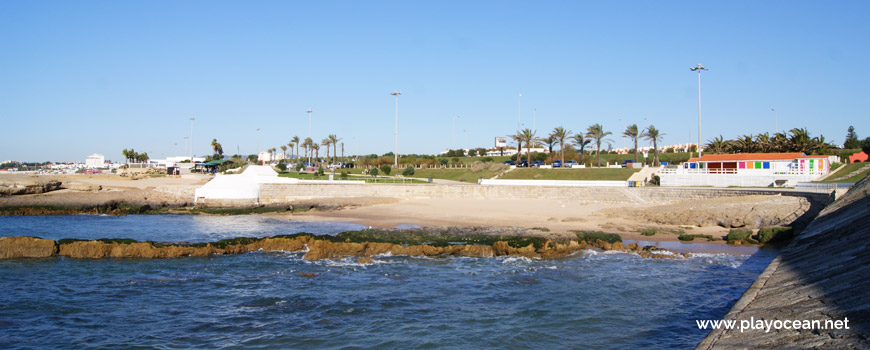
<point>699,68</point>
<point>191,138</point>
<point>453,132</point>
<point>396,155</point>
<point>775,120</point>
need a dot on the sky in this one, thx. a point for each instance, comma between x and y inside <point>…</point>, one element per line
<point>83,77</point>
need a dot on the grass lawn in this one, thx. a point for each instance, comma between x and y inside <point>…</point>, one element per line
<point>462,174</point>
<point>367,179</point>
<point>848,168</point>
<point>570,174</point>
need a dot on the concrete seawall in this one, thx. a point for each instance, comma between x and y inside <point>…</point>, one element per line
<point>824,275</point>
<point>277,194</point>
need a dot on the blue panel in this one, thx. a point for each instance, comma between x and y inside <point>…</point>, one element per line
<point>766,165</point>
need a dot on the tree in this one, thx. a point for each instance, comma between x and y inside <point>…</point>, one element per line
<point>316,148</point>
<point>218,149</point>
<point>632,133</point>
<point>528,136</point>
<point>519,139</point>
<point>342,152</point>
<point>716,145</point>
<point>865,145</point>
<point>386,169</point>
<point>326,142</point>
<point>333,139</point>
<point>653,135</point>
<point>581,141</point>
<point>597,133</point>
<point>373,172</point>
<point>852,141</point>
<point>550,141</point>
<point>472,152</point>
<point>283,151</point>
<point>290,145</point>
<point>409,171</point>
<point>295,140</point>
<point>307,143</point>
<point>561,134</point>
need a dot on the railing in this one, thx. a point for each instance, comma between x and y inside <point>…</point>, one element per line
<point>719,171</point>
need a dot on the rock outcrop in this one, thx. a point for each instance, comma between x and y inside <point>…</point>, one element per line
<point>10,188</point>
<point>748,211</point>
<point>26,247</point>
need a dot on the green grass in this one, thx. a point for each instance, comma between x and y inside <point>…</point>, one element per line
<point>739,235</point>
<point>615,174</point>
<point>775,234</point>
<point>461,174</point>
<point>366,178</point>
<point>591,237</point>
<point>653,231</point>
<point>848,169</point>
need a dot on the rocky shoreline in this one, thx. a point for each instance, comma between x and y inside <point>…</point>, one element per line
<point>361,244</point>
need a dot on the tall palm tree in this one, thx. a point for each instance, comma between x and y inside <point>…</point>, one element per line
<point>342,152</point>
<point>290,145</point>
<point>326,142</point>
<point>519,139</point>
<point>561,134</point>
<point>763,143</point>
<point>334,140</point>
<point>597,133</point>
<point>550,141</point>
<point>653,135</point>
<point>716,145</point>
<point>295,140</point>
<point>283,151</point>
<point>528,137</point>
<point>632,133</point>
<point>316,149</point>
<point>800,140</point>
<point>745,144</point>
<point>308,143</point>
<point>581,141</point>
<point>218,149</point>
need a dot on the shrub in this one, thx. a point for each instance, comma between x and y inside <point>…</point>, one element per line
<point>648,232</point>
<point>739,236</point>
<point>775,234</point>
<point>386,169</point>
<point>320,171</point>
<point>282,167</point>
<point>299,166</point>
<point>488,160</point>
<point>343,174</point>
<point>373,172</point>
<point>443,161</point>
<point>409,171</point>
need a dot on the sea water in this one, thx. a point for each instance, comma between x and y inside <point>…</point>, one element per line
<point>267,300</point>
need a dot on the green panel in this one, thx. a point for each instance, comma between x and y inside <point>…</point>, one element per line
<point>757,165</point>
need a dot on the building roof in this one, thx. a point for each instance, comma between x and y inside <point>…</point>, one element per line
<point>747,157</point>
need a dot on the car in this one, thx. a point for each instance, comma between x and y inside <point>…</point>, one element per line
<point>510,162</point>
<point>523,164</point>
<point>626,163</point>
<point>570,163</point>
<point>347,165</point>
<point>538,163</point>
<point>557,163</point>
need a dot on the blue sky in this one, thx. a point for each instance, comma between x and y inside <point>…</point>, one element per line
<point>98,76</point>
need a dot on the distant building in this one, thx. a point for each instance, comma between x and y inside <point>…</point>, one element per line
<point>747,170</point>
<point>95,161</point>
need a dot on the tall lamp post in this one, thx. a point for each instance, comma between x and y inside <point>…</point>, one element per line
<point>699,68</point>
<point>775,120</point>
<point>309,132</point>
<point>396,155</point>
<point>453,132</point>
<point>191,138</point>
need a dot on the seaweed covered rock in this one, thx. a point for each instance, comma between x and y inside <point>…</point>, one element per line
<point>26,247</point>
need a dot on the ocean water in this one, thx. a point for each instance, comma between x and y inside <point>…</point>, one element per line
<point>262,300</point>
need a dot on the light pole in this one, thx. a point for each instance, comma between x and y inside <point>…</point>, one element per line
<point>309,132</point>
<point>775,120</point>
<point>453,132</point>
<point>258,144</point>
<point>396,155</point>
<point>518,112</point>
<point>534,119</point>
<point>699,68</point>
<point>186,145</point>
<point>191,138</point>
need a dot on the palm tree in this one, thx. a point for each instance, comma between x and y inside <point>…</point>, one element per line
<point>597,133</point>
<point>342,152</point>
<point>745,144</point>
<point>218,149</point>
<point>632,133</point>
<point>519,139</point>
<point>316,149</point>
<point>800,140</point>
<point>326,142</point>
<point>763,143</point>
<point>581,141</point>
<point>308,143</point>
<point>561,134</point>
<point>528,137</point>
<point>290,145</point>
<point>283,151</point>
<point>653,135</point>
<point>295,140</point>
<point>550,141</point>
<point>334,140</point>
<point>716,145</point>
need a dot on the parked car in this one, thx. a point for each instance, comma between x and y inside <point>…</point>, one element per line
<point>625,163</point>
<point>570,163</point>
<point>557,163</point>
<point>347,165</point>
<point>510,162</point>
<point>538,163</point>
<point>523,164</point>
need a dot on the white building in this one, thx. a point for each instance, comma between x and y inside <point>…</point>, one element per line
<point>747,170</point>
<point>95,161</point>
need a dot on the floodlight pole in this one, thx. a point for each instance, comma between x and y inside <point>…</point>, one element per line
<point>396,155</point>
<point>699,68</point>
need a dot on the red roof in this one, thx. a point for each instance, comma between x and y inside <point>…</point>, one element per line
<point>816,156</point>
<point>748,156</point>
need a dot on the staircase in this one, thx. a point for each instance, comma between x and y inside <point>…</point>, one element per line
<point>645,173</point>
